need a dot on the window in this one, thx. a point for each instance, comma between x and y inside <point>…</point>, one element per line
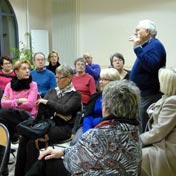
<point>8,29</point>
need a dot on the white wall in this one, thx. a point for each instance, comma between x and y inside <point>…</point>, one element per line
<point>20,11</point>
<point>105,26</point>
<point>32,15</point>
<point>64,30</point>
<point>100,27</point>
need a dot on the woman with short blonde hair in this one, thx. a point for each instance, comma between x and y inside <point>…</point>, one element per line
<point>160,141</point>
<point>18,101</point>
<point>167,79</point>
<point>93,114</point>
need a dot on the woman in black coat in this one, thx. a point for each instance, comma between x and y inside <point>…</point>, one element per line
<point>60,104</point>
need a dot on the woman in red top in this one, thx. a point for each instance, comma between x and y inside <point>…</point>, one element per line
<point>82,81</point>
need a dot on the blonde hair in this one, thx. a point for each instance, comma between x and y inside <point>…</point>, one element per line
<point>19,62</point>
<point>167,79</point>
<point>110,74</point>
<point>53,52</point>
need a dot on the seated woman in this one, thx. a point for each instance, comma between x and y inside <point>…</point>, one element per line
<point>82,81</point>
<point>93,114</point>
<point>111,148</point>
<point>53,59</point>
<point>6,71</point>
<point>159,152</point>
<point>60,103</point>
<point>117,61</point>
<point>21,92</point>
<point>19,100</point>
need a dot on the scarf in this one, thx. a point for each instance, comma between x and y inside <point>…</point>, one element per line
<point>20,84</point>
<point>67,89</point>
<point>113,120</point>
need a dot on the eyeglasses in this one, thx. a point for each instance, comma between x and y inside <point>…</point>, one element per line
<point>88,57</point>
<point>104,79</point>
<point>62,77</point>
<point>7,63</point>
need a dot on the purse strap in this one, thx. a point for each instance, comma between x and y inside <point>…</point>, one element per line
<point>45,140</point>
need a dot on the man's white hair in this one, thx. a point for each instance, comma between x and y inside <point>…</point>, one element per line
<point>148,24</point>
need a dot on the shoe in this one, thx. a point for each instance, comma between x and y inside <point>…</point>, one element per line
<point>15,139</point>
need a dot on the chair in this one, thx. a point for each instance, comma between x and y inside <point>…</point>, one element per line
<point>5,142</point>
<point>77,125</point>
<point>64,143</point>
<point>1,93</point>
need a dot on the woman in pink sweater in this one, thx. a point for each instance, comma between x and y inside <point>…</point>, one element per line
<point>21,92</point>
<point>18,101</point>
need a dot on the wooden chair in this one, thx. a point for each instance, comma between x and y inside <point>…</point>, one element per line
<point>5,142</point>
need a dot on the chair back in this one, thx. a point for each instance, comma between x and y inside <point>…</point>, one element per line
<point>4,142</point>
<point>78,120</point>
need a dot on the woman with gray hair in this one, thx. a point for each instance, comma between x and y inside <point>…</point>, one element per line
<point>112,147</point>
<point>159,152</point>
<point>60,104</point>
<point>82,81</point>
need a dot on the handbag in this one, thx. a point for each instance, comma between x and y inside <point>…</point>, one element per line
<point>34,129</point>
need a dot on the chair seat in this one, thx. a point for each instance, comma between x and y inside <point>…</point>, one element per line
<point>65,143</point>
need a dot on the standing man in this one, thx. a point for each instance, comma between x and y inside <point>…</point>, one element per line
<point>44,78</point>
<point>150,57</point>
<point>92,69</point>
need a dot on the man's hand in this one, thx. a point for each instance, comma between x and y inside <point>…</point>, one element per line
<point>136,40</point>
<point>51,153</point>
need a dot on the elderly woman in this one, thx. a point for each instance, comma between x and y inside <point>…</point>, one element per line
<point>60,103</point>
<point>19,100</point>
<point>117,61</point>
<point>53,59</point>
<point>82,81</point>
<point>159,152</point>
<point>93,114</point>
<point>111,148</point>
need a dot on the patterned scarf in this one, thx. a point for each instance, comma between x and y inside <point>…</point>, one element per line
<point>61,92</point>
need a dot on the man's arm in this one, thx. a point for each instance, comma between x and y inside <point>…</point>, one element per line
<point>93,70</point>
